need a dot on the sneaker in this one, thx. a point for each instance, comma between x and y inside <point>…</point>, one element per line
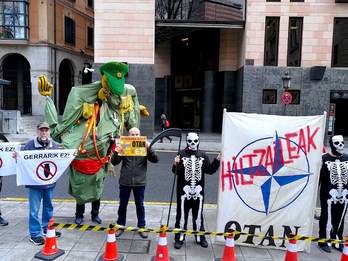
<point>178,244</point>
<point>203,243</point>
<point>143,234</point>
<point>58,234</point>
<point>324,247</point>
<point>338,247</point>
<point>97,220</point>
<point>201,240</point>
<point>3,222</point>
<point>119,232</point>
<point>37,240</point>
<point>78,220</point>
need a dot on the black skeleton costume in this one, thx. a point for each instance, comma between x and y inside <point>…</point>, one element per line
<point>190,187</point>
<point>333,193</point>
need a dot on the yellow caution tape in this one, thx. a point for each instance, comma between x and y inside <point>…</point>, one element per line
<point>192,232</point>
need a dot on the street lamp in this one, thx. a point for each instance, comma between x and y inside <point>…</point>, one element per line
<point>86,67</point>
<point>286,97</point>
<point>286,81</point>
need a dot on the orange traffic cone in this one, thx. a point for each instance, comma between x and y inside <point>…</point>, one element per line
<point>229,252</point>
<point>345,251</point>
<point>111,249</point>
<point>291,253</point>
<point>162,249</point>
<point>50,250</point>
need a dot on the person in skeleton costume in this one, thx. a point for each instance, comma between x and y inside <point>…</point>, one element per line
<point>191,165</point>
<point>333,193</point>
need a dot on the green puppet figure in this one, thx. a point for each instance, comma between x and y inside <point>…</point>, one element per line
<point>93,116</point>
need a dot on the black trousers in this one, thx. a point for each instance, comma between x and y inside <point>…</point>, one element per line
<point>0,189</point>
<point>80,209</point>
<point>189,204</point>
<point>336,215</point>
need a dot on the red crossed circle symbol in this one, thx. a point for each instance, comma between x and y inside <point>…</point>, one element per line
<point>286,97</point>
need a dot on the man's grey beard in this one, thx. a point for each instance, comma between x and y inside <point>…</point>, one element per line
<point>42,139</point>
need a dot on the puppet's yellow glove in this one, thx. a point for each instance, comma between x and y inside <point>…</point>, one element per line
<point>44,87</point>
<point>143,111</point>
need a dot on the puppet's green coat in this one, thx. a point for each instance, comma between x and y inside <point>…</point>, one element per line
<point>71,131</point>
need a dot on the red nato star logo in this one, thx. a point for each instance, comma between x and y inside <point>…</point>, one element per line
<point>270,180</point>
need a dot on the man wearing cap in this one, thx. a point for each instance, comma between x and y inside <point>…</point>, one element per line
<point>94,115</point>
<point>40,192</point>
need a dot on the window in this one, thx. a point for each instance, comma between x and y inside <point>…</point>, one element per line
<point>295,96</point>
<point>90,3</point>
<point>271,41</point>
<point>69,31</point>
<point>14,20</point>
<point>269,97</point>
<point>90,36</point>
<point>295,41</point>
<point>340,47</point>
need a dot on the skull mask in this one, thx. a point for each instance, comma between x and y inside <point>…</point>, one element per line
<point>192,141</point>
<point>337,145</point>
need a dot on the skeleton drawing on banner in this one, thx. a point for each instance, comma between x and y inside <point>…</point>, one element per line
<point>333,193</point>
<point>191,164</point>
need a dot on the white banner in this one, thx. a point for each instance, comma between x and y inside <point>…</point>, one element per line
<point>269,177</point>
<point>42,167</point>
<point>8,165</point>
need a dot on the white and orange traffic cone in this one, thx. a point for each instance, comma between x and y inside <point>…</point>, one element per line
<point>110,253</point>
<point>50,250</point>
<point>162,249</point>
<point>229,251</point>
<point>345,251</point>
<point>291,253</point>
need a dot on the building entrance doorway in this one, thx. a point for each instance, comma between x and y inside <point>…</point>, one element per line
<point>191,111</point>
<point>17,95</point>
<point>340,123</point>
<point>66,82</point>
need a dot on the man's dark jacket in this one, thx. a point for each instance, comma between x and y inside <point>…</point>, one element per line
<point>133,171</point>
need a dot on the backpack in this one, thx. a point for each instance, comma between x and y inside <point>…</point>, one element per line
<point>167,124</point>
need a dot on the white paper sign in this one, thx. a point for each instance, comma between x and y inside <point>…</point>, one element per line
<point>8,165</point>
<point>42,167</point>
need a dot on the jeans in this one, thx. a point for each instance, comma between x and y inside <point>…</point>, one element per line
<point>139,203</point>
<point>80,209</point>
<point>35,196</point>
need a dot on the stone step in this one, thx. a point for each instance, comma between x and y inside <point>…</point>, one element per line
<point>28,124</point>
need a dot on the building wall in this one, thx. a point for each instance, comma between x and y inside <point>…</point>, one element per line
<point>315,94</point>
<point>317,39</point>
<point>162,59</point>
<point>39,51</point>
<point>124,31</point>
<point>229,51</point>
<point>317,29</point>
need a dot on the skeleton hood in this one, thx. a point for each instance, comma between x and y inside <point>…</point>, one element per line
<point>337,145</point>
<point>192,141</point>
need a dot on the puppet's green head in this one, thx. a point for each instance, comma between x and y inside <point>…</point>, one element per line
<point>114,73</point>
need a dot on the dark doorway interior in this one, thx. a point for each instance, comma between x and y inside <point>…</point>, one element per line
<point>340,99</point>
<point>66,81</point>
<point>192,55</point>
<point>17,95</point>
